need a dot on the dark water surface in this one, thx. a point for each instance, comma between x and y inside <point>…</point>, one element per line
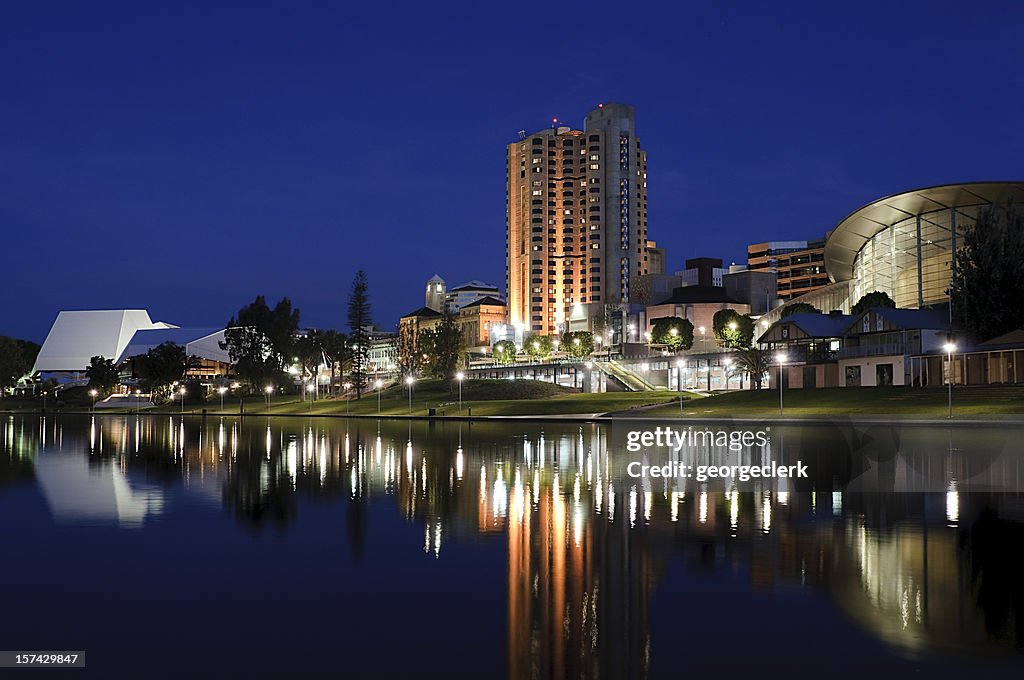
<point>318,547</point>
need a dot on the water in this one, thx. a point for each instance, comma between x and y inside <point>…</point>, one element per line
<point>310,547</point>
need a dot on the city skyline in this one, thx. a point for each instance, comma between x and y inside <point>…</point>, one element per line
<point>151,165</point>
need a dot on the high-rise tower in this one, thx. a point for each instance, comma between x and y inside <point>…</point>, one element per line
<point>576,218</point>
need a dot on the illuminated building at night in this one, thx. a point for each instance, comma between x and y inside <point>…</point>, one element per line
<point>576,218</point>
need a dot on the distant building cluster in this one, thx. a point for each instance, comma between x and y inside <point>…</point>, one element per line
<point>579,258</point>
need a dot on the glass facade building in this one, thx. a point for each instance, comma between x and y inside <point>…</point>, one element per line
<point>903,245</point>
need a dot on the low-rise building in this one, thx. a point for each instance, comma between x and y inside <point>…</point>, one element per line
<point>476,320</point>
<point>698,305</point>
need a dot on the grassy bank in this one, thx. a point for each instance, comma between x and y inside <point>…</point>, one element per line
<point>479,398</point>
<point>528,397</point>
<point>873,401</point>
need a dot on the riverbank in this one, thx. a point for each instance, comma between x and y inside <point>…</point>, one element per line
<point>545,401</point>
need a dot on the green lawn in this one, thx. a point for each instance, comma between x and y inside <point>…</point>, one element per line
<point>479,397</point>
<point>876,401</point>
<point>528,397</point>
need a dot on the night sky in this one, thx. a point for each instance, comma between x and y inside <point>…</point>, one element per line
<point>183,159</point>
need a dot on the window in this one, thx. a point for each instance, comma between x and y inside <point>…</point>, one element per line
<point>595,166</point>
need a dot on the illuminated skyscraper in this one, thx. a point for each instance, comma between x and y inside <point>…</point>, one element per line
<point>576,218</point>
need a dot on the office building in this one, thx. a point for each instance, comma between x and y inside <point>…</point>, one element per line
<point>799,265</point>
<point>576,219</point>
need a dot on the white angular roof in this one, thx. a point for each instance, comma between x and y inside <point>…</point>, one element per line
<point>77,336</point>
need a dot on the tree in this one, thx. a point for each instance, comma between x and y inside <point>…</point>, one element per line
<point>504,352</point>
<point>755,363</point>
<point>260,340</point>
<point>578,344</point>
<point>16,360</point>
<point>875,298</point>
<point>799,308</point>
<point>733,329</point>
<point>408,350</point>
<point>986,291</point>
<point>358,325</point>
<point>443,347</point>
<point>335,348</point>
<point>309,350</point>
<point>674,332</point>
<point>538,346</point>
<point>160,367</point>
<point>103,374</point>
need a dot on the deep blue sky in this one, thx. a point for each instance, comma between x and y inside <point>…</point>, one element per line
<point>183,159</point>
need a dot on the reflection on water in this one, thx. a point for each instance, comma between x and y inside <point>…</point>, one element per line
<point>587,546</point>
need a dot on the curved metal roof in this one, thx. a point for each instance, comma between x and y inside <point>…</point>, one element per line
<point>850,235</point>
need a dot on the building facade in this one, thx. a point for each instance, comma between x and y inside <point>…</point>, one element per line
<point>469,292</point>
<point>478,318</point>
<point>576,218</point>
<point>799,265</point>
<point>435,295</point>
<point>902,245</point>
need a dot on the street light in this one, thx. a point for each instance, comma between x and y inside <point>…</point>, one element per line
<point>781,358</point>
<point>93,393</point>
<point>460,376</point>
<point>348,397</point>
<point>269,389</point>
<point>182,392</point>
<point>950,348</point>
<point>221,390</point>
<point>409,380</point>
<point>680,365</point>
<point>378,383</point>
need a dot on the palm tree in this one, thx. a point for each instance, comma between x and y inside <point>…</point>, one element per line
<point>754,362</point>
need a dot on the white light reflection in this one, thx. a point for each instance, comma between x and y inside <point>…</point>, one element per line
<point>952,504</point>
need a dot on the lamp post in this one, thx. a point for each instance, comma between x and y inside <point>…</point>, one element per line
<point>182,393</point>
<point>647,337</point>
<point>348,398</point>
<point>644,367</point>
<point>409,380</point>
<point>950,348</point>
<point>781,358</point>
<point>221,390</point>
<point>378,384</point>
<point>680,365</point>
<point>93,393</point>
<point>310,388</point>
<point>269,390</point>
<point>460,376</point>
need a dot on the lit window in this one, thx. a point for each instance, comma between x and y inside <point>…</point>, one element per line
<point>595,166</point>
